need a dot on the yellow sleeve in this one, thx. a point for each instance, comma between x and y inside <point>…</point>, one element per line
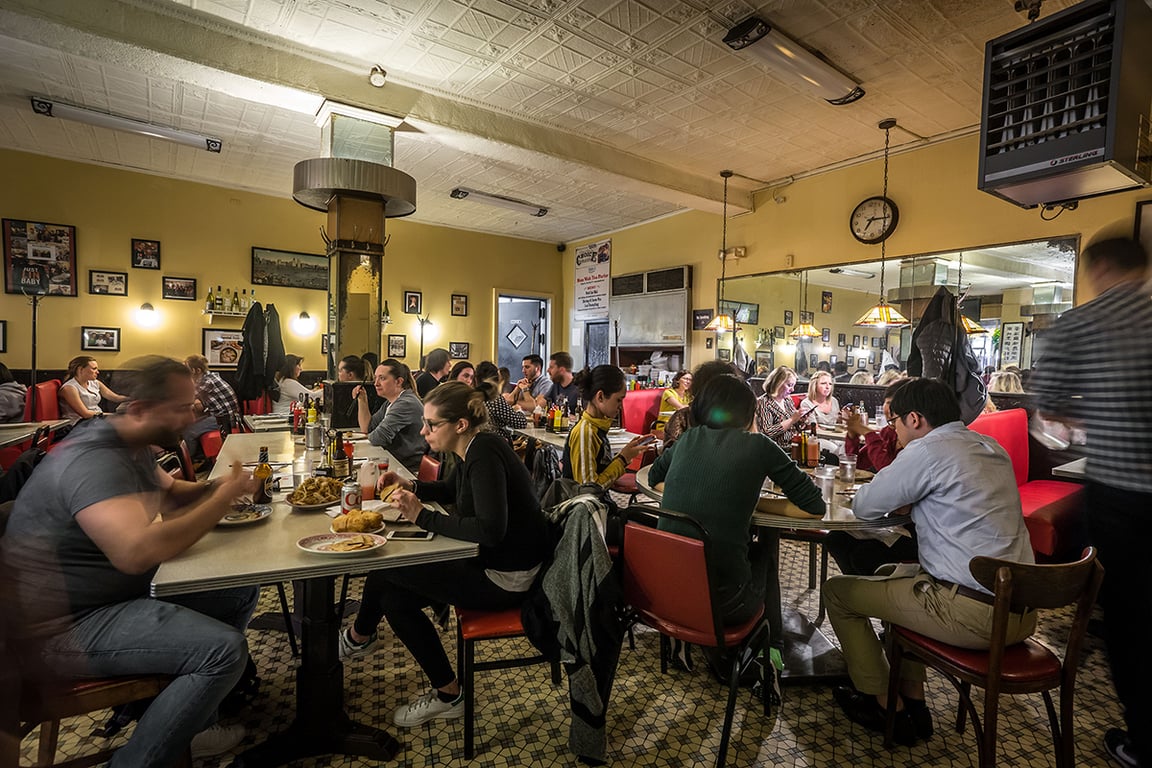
<point>584,447</point>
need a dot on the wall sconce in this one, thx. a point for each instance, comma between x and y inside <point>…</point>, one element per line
<point>378,76</point>
<point>146,316</point>
<point>303,324</point>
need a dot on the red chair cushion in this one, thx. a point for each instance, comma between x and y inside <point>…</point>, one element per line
<point>640,409</point>
<point>626,483</point>
<point>732,635</point>
<point>478,624</point>
<point>1010,429</point>
<point>798,398</point>
<point>1052,513</point>
<point>211,443</point>
<point>429,471</point>
<point>1023,663</point>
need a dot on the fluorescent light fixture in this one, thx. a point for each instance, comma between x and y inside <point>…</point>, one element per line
<point>500,201</point>
<point>851,272</point>
<point>758,38</point>
<point>329,108</point>
<point>50,108</point>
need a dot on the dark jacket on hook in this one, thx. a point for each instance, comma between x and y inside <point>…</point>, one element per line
<point>940,350</point>
<point>262,354</point>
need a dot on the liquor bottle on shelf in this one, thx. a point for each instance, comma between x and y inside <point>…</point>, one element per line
<point>252,297</point>
<point>244,300</point>
<point>227,299</point>
<point>263,476</point>
<point>219,299</point>
<point>210,301</point>
<point>235,305</point>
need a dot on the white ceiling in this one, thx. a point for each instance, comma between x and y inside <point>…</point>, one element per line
<point>608,112</point>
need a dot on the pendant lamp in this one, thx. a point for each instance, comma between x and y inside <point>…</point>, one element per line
<point>804,330</point>
<point>883,315</point>
<point>723,322</point>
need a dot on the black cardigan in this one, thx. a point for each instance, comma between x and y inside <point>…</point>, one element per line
<point>496,506</point>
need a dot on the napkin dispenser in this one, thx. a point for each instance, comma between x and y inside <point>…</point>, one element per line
<point>340,405</point>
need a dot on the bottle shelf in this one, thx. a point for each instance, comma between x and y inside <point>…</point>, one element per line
<point>214,314</point>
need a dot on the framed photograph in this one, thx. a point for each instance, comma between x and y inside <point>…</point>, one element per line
<point>397,346</point>
<point>458,350</point>
<point>289,269</point>
<point>724,353</point>
<point>876,341</point>
<point>413,302</point>
<point>107,283</point>
<point>39,258</point>
<point>787,317</point>
<point>459,305</point>
<point>742,312</point>
<point>826,302</point>
<point>99,339</point>
<point>707,342</point>
<point>145,254</point>
<point>849,361</point>
<point>841,340</point>
<point>3,335</point>
<point>825,335</point>
<point>807,317</point>
<point>178,288</point>
<point>779,331</point>
<point>763,362</point>
<point>222,348</point>
<point>832,359</point>
<point>855,339</point>
<point>813,359</point>
<point>701,318</point>
<point>862,363</point>
<point>323,343</point>
<point>1143,232</point>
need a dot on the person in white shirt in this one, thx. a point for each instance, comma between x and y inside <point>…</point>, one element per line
<point>290,387</point>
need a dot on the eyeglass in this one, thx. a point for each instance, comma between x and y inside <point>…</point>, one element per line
<point>434,425</point>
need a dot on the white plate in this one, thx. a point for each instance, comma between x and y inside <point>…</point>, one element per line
<point>312,507</point>
<point>374,530</point>
<point>245,515</point>
<point>321,544</point>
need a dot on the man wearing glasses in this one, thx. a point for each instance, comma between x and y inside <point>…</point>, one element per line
<point>960,491</point>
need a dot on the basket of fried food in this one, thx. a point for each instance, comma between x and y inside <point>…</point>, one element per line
<point>316,492</point>
<point>358,521</point>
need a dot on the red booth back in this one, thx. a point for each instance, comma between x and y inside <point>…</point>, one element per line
<point>641,407</point>
<point>1010,429</point>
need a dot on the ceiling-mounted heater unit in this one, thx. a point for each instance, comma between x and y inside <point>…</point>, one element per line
<point>1067,104</point>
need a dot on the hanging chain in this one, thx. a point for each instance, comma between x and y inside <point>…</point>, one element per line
<point>884,242</point>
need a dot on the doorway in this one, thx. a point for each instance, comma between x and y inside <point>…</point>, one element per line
<point>521,330</point>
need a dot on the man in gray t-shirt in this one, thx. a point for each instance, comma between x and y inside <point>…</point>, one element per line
<point>81,546</point>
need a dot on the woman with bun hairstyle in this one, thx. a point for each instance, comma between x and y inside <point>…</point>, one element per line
<point>587,456</point>
<point>81,393</point>
<point>395,426</point>
<point>495,505</point>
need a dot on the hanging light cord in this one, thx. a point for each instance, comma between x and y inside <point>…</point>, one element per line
<point>884,242</point>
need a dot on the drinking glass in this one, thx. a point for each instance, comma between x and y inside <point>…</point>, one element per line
<point>848,469</point>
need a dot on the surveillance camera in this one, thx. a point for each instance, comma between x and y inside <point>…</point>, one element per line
<point>561,247</point>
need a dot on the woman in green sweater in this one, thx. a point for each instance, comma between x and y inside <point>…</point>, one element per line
<point>714,474</point>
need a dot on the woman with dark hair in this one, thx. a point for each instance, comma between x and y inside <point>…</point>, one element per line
<point>587,456</point>
<point>395,426</point>
<point>502,418</point>
<point>675,397</point>
<point>11,396</point>
<point>714,474</point>
<point>463,371</point>
<point>351,368</point>
<point>287,376</point>
<point>495,505</point>
<point>682,419</point>
<point>81,393</point>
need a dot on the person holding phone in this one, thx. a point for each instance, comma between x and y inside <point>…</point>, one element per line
<point>587,456</point>
<point>495,506</point>
<point>776,414</point>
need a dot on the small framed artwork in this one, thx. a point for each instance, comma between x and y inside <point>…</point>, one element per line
<point>787,317</point>
<point>99,339</point>
<point>875,341</point>
<point>289,269</point>
<point>145,254</point>
<point>107,283</point>
<point>826,302</point>
<point>832,359</point>
<point>178,288</point>
<point>763,362</point>
<point>323,343</point>
<point>222,348</point>
<point>397,346</point>
<point>707,342</point>
<point>841,340</point>
<point>849,361</point>
<point>779,330</point>
<point>855,339</point>
<point>724,353</point>
<point>459,305</point>
<point>862,363</point>
<point>825,335</point>
<point>813,359</point>
<point>807,317</point>
<point>3,335</point>
<point>701,318</point>
<point>458,350</point>
<point>39,258</point>
<point>413,302</point>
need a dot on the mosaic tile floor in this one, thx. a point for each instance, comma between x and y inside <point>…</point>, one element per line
<point>654,720</point>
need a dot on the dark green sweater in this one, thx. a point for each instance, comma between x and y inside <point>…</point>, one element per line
<point>715,476</point>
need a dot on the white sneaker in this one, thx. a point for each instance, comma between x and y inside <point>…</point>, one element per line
<point>350,649</point>
<point>216,740</point>
<point>428,707</point>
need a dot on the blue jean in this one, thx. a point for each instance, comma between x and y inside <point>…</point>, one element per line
<point>198,638</point>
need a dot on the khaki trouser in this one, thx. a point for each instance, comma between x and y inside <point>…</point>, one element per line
<point>907,596</point>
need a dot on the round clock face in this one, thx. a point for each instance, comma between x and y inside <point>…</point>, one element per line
<point>874,220</point>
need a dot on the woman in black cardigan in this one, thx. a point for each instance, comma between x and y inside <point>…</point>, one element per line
<point>495,506</point>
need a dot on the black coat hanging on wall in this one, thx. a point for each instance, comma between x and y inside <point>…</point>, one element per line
<point>940,350</point>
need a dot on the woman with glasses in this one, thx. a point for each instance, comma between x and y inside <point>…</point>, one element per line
<point>495,506</point>
<point>395,426</point>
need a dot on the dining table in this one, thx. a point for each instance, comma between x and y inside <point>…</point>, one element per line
<point>271,550</point>
<point>809,656</point>
<point>16,433</point>
<point>617,438</point>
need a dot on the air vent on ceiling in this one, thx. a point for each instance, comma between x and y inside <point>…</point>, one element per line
<point>1066,105</point>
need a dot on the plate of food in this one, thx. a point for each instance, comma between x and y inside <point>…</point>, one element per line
<point>315,493</point>
<point>358,521</point>
<point>342,544</point>
<point>242,514</point>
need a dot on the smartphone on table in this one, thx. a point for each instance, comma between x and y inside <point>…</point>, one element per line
<point>410,534</point>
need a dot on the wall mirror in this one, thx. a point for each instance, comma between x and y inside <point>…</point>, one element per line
<point>1014,291</point>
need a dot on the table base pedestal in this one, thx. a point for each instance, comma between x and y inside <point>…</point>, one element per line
<point>339,736</point>
<point>809,657</point>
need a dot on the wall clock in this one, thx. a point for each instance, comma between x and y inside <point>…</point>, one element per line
<point>874,220</point>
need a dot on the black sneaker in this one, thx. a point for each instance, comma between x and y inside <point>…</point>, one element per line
<point>864,710</point>
<point>921,716</point>
<point>1119,746</point>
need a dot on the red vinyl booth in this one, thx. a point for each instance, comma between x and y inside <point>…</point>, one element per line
<point>641,407</point>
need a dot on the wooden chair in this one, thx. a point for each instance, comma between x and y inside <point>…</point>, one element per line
<point>1025,667</point>
<point>473,626</point>
<point>669,583</point>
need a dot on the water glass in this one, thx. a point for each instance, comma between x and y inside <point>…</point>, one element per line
<point>881,421</point>
<point>848,469</point>
<point>826,480</point>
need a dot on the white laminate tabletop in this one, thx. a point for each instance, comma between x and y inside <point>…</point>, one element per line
<point>1073,470</point>
<point>11,434</point>
<point>617,438</point>
<point>838,519</point>
<point>266,551</point>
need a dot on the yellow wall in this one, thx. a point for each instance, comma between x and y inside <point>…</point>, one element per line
<point>207,233</point>
<point>940,209</point>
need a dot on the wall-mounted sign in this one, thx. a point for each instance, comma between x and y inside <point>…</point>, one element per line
<point>593,267</point>
<point>701,318</point>
<point>1011,343</point>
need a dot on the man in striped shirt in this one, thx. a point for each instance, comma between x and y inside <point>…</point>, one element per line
<point>1095,371</point>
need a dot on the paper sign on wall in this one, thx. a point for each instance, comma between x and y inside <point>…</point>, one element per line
<point>593,269</point>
